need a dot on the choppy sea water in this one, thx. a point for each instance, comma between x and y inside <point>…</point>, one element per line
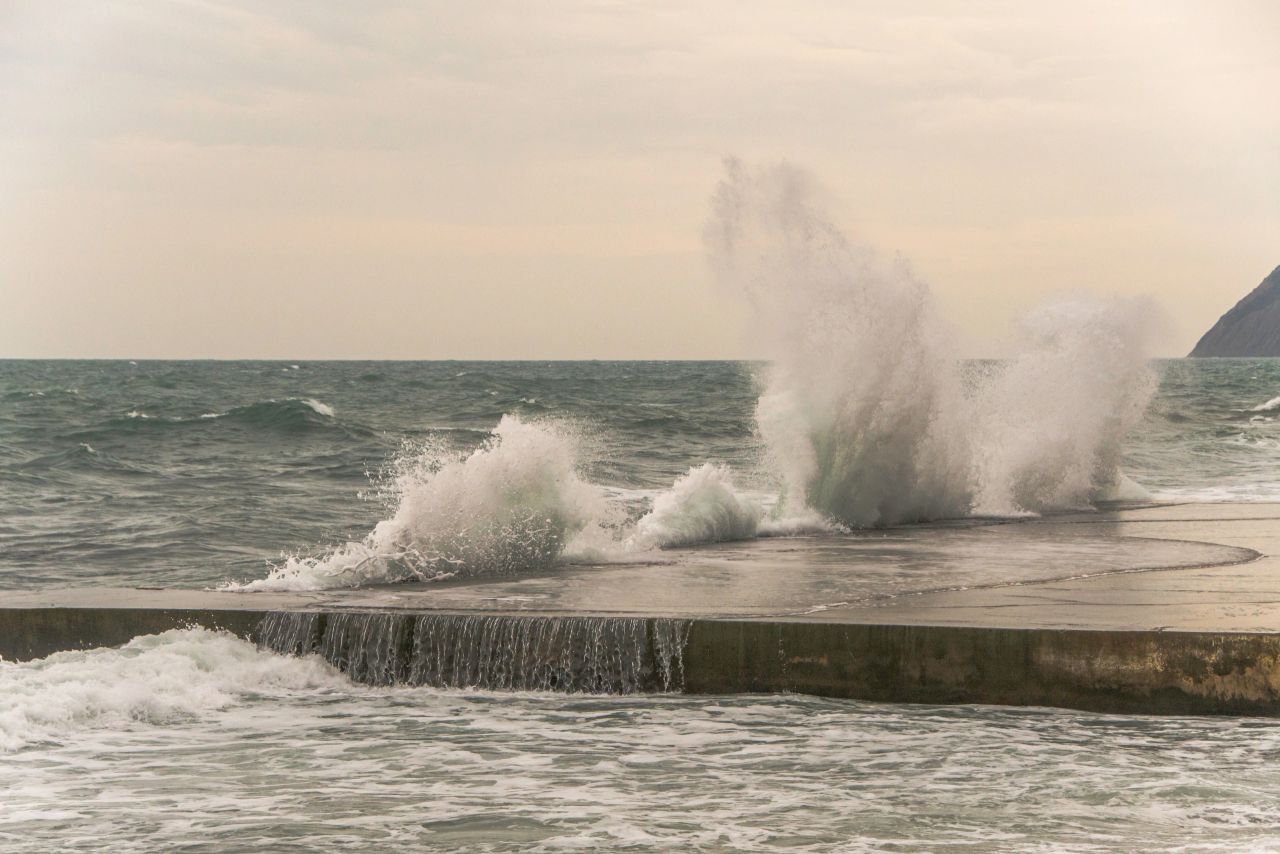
<point>216,746</point>
<point>194,473</point>
<point>198,473</point>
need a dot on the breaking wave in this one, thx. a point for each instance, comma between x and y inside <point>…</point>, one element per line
<point>512,505</point>
<point>706,506</point>
<point>174,676</point>
<point>702,506</point>
<point>1051,422</point>
<point>1270,406</point>
<point>290,415</point>
<point>868,414</point>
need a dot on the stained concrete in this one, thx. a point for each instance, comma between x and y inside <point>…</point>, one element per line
<point>1158,609</point>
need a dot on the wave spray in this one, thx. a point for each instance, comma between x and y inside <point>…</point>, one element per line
<point>512,505</point>
<point>869,415</point>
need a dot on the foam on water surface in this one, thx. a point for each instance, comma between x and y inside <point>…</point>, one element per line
<point>180,674</point>
<point>301,753</point>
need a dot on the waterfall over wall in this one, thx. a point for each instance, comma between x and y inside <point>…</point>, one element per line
<point>603,655</point>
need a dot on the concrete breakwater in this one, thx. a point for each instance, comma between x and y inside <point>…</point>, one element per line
<point>601,655</point>
<point>1146,672</point>
<point>1173,625</point>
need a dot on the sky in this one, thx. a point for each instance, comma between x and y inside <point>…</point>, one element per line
<point>517,180</point>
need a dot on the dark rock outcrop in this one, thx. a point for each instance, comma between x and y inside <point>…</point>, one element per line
<point>1252,328</point>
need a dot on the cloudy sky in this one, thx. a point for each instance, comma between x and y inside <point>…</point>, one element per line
<point>521,180</point>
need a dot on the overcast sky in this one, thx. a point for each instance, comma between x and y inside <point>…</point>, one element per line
<point>529,180</point>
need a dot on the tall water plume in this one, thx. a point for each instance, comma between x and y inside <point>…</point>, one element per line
<point>867,411</point>
<point>1054,418</point>
<point>862,407</point>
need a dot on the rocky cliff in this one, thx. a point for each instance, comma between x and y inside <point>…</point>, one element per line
<point>1252,328</point>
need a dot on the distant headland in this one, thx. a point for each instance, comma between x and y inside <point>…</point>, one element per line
<point>1252,328</point>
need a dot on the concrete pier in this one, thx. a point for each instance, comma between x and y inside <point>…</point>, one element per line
<point>1167,609</point>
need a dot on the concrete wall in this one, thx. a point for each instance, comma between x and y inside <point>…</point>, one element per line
<point>1109,671</point>
<point>1130,672</point>
<point>27,633</point>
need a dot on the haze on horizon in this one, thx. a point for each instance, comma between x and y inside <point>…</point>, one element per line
<point>394,180</point>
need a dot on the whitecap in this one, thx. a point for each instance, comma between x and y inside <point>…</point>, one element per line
<point>511,505</point>
<point>1270,406</point>
<point>702,506</point>
<point>318,407</point>
<point>180,674</point>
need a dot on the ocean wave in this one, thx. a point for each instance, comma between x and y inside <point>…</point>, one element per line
<point>1270,406</point>
<point>289,415</point>
<point>702,506</point>
<point>177,675</point>
<point>867,415</point>
<point>83,457</point>
<point>510,506</point>
<point>517,505</point>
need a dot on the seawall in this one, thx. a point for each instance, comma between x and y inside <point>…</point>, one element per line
<point>1184,618</point>
<point>1142,672</point>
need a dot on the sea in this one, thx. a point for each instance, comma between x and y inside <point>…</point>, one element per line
<point>251,475</point>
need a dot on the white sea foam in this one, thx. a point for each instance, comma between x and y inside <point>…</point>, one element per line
<point>511,505</point>
<point>415,769</point>
<point>318,407</point>
<point>702,506</point>
<point>799,524</point>
<point>866,411</point>
<point>705,506</point>
<point>157,678</point>
<point>1052,421</point>
<point>1270,406</point>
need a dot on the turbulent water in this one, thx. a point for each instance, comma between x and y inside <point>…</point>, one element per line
<point>252,476</point>
<point>201,474</point>
<point>217,746</point>
<point>868,415</point>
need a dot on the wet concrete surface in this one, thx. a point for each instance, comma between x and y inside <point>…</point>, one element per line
<point>1231,597</point>
<point>1189,566</point>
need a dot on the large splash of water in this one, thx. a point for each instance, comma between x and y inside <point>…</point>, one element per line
<point>703,506</point>
<point>1051,422</point>
<point>868,413</point>
<point>512,505</point>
